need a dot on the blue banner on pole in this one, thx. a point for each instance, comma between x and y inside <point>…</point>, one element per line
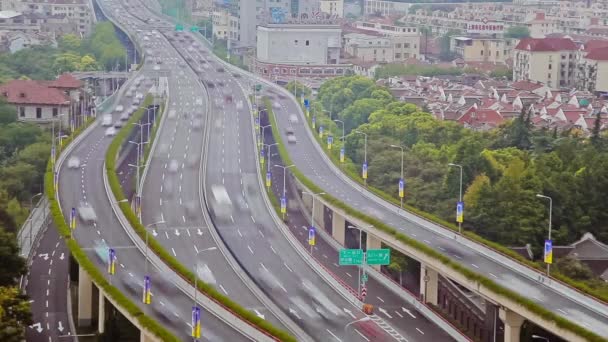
<point>262,156</point>
<point>364,171</point>
<point>312,236</point>
<point>320,131</point>
<point>268,179</point>
<point>196,322</point>
<point>283,205</point>
<point>460,212</point>
<point>341,154</point>
<point>147,290</point>
<point>111,261</point>
<point>330,141</point>
<point>307,103</point>
<point>548,252</point>
<point>401,188</point>
<point>314,121</point>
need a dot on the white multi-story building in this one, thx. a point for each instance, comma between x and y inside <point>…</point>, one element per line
<point>333,7</point>
<point>77,12</point>
<point>385,7</point>
<point>391,43</point>
<point>550,61</point>
<point>225,25</point>
<point>299,44</point>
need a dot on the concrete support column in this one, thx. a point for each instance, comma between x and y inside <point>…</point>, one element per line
<point>338,227</point>
<point>143,337</point>
<point>428,284</point>
<point>373,243</point>
<point>85,300</point>
<point>318,214</point>
<point>101,319</point>
<point>513,322</point>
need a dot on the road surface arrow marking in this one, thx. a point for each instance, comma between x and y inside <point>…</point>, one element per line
<point>384,312</point>
<point>294,312</point>
<point>177,232</point>
<point>154,233</point>
<point>60,326</point>
<point>199,232</point>
<point>45,256</point>
<point>259,314</point>
<point>350,313</point>
<point>408,312</point>
<point>61,256</point>
<point>37,326</point>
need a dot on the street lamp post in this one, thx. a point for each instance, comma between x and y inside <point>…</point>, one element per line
<point>31,209</point>
<point>402,179</point>
<point>361,248</point>
<point>550,219</point>
<point>328,111</point>
<point>459,196</point>
<point>261,142</point>
<point>364,157</point>
<point>146,254</point>
<point>284,174</point>
<point>312,212</point>
<point>343,142</point>
<point>268,154</point>
<point>196,270</point>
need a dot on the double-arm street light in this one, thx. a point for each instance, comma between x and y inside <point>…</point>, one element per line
<point>268,146</point>
<point>460,205</point>
<point>549,238</point>
<point>402,180</point>
<point>312,215</point>
<point>261,142</point>
<point>343,142</point>
<point>284,198</point>
<point>196,270</point>
<point>364,171</point>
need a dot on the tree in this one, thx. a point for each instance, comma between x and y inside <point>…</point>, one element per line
<point>301,88</point>
<point>8,114</point>
<point>70,42</point>
<point>66,62</point>
<point>445,52</point>
<point>88,63</point>
<point>517,32</point>
<point>398,265</point>
<point>596,138</point>
<point>15,314</point>
<point>12,266</point>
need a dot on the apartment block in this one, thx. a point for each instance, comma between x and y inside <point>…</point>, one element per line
<point>550,61</point>
<point>483,49</point>
<point>334,8</point>
<point>385,43</point>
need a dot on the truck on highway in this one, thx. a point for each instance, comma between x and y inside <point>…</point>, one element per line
<point>221,205</point>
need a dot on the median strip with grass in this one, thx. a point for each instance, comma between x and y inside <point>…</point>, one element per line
<point>423,248</point>
<point>161,252</point>
<point>83,260</point>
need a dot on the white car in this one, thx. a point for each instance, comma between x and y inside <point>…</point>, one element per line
<point>86,213</point>
<point>204,272</point>
<point>107,120</point>
<point>239,105</point>
<point>110,132</point>
<point>73,163</point>
<point>119,108</point>
<point>173,166</point>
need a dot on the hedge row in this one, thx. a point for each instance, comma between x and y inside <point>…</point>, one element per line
<point>425,249</point>
<point>84,262</point>
<point>172,262</point>
<point>351,171</point>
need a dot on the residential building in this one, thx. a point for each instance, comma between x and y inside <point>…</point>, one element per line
<point>78,12</point>
<point>551,61</point>
<point>225,25</point>
<point>333,8</point>
<point>44,101</point>
<point>368,48</point>
<point>593,67</point>
<point>482,48</point>
<point>540,26</point>
<point>403,42</point>
<point>385,7</point>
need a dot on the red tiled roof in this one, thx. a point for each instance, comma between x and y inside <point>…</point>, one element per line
<point>525,85</point>
<point>595,44</point>
<point>66,81</point>
<point>546,44</point>
<point>31,92</point>
<point>599,54</point>
<point>476,117</point>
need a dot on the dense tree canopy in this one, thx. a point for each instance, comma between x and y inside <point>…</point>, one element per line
<point>504,169</point>
<point>517,32</point>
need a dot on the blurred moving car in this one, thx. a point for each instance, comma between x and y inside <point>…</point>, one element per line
<point>107,120</point>
<point>204,272</point>
<point>73,163</point>
<point>86,213</point>
<point>101,250</point>
<point>110,132</point>
<point>173,166</point>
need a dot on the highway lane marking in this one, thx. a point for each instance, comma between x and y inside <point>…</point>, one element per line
<point>184,218</point>
<point>332,334</point>
<point>261,233</point>
<point>420,331</point>
<point>173,250</point>
<point>264,267</point>
<point>475,266</point>
<point>252,219</point>
<point>223,289</point>
<point>360,334</point>
<point>273,251</point>
<point>290,270</point>
<point>427,241</point>
<point>348,274</point>
<point>441,248</point>
<point>188,231</point>
<point>398,314</point>
<point>239,232</point>
<point>493,275</point>
<point>167,234</point>
<point>251,250</point>
<point>380,299</point>
<point>562,311</point>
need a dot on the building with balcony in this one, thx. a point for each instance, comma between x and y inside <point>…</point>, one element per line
<point>482,49</point>
<point>334,8</point>
<point>550,61</point>
<point>225,25</point>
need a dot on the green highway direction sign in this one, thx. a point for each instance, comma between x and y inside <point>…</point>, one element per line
<point>379,256</point>
<point>351,257</point>
<point>179,27</point>
<point>194,29</point>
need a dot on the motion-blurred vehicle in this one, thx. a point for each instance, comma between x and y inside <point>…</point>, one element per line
<point>173,166</point>
<point>220,69</point>
<point>197,124</point>
<point>110,132</point>
<point>73,163</point>
<point>269,281</point>
<point>86,213</point>
<point>101,250</point>
<point>322,304</point>
<point>134,284</point>
<point>172,114</point>
<point>119,108</point>
<point>293,118</point>
<point>107,120</point>
<point>167,310</point>
<point>239,105</point>
<point>118,124</point>
<point>291,138</point>
<point>221,205</point>
<point>124,116</point>
<point>204,273</point>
